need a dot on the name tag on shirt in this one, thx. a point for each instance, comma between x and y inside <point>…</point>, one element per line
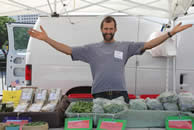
<point>118,54</point>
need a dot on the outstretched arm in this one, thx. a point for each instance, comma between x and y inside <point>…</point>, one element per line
<point>157,41</point>
<point>44,37</point>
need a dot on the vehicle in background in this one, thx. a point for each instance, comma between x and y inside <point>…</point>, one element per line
<point>18,41</point>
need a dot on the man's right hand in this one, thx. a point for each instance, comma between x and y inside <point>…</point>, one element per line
<point>43,36</point>
<point>38,35</point>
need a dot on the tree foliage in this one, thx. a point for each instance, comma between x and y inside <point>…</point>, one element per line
<point>3,29</point>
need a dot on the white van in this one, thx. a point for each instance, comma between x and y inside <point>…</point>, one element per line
<point>18,41</point>
<point>49,68</point>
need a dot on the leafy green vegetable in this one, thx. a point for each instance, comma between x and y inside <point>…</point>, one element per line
<point>82,107</point>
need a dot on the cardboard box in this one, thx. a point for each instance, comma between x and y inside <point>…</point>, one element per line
<point>38,127</point>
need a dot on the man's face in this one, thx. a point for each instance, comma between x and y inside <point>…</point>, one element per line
<point>108,31</point>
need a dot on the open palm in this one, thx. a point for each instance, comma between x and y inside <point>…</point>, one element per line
<point>38,35</point>
<point>179,28</point>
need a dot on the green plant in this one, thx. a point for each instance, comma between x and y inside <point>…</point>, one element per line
<point>35,123</point>
<point>12,125</point>
<point>82,107</point>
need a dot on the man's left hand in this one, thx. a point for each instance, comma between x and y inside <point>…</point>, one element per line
<point>179,28</point>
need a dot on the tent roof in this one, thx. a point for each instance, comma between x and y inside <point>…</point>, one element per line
<point>169,9</point>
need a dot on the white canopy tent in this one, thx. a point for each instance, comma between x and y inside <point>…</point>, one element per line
<point>169,9</point>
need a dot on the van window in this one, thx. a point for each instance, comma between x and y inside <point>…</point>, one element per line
<point>21,38</point>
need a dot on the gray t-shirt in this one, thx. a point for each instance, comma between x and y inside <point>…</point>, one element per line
<point>107,62</point>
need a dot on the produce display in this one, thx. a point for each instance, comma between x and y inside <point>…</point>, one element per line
<point>39,100</point>
<point>165,101</point>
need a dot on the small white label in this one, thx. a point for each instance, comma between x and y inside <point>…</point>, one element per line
<point>118,54</point>
<point>39,96</point>
<point>25,96</point>
<point>52,96</point>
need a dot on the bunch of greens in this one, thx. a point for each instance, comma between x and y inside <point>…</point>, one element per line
<point>82,107</point>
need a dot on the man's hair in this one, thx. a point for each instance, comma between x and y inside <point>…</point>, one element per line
<point>108,19</point>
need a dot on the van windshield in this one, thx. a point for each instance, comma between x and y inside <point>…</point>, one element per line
<point>21,38</point>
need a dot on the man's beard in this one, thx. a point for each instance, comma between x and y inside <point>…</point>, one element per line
<point>109,38</point>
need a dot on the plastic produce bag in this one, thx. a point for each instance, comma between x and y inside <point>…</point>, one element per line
<point>36,107</point>
<point>40,96</point>
<point>113,108</point>
<point>49,107</point>
<point>22,107</point>
<point>102,105</point>
<point>26,99</point>
<point>54,96</point>
<point>185,94</point>
<point>137,104</point>
<point>115,105</point>
<point>153,104</point>
<point>167,97</point>
<point>186,103</point>
<point>171,106</point>
<point>98,105</point>
<point>27,95</point>
<point>39,101</point>
<point>100,101</point>
<point>97,108</point>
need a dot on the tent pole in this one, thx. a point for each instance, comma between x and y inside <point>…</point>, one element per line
<point>174,65</point>
<point>49,4</point>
